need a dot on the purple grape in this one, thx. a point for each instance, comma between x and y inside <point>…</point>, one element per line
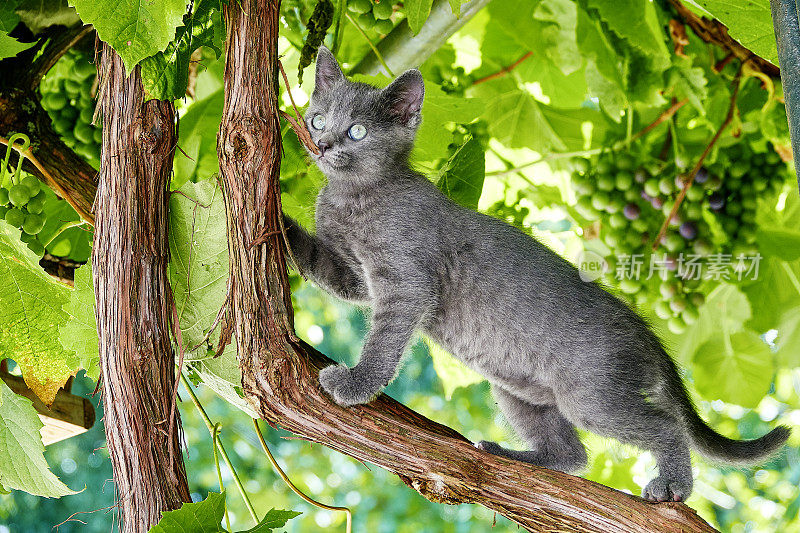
<point>716,201</point>
<point>631,211</point>
<point>688,230</point>
<point>671,263</point>
<point>676,221</point>
<point>679,182</point>
<point>701,176</point>
<point>640,176</point>
<point>646,197</point>
<point>657,202</point>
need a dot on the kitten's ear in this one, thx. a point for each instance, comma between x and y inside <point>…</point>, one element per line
<point>328,71</point>
<point>404,97</point>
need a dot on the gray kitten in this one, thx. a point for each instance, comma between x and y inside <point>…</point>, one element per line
<point>560,353</point>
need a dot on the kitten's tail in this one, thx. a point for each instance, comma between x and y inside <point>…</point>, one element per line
<point>716,447</point>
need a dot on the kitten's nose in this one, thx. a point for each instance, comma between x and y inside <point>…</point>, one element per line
<point>323,145</point>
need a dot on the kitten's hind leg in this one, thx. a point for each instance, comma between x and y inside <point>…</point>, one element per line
<point>553,440</point>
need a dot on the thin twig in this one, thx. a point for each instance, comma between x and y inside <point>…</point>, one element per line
<point>503,71</point>
<point>690,179</point>
<point>369,42</point>
<point>662,117</point>
<point>297,491</point>
<point>220,447</point>
<point>301,131</point>
<point>289,90</point>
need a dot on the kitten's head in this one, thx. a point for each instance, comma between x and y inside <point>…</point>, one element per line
<point>362,130</point>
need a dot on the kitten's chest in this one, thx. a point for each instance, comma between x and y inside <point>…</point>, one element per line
<point>349,224</point>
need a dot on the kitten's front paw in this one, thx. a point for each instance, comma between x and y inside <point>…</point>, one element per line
<point>339,382</point>
<point>662,489</point>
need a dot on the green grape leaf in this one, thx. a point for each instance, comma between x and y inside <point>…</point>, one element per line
<point>788,341</point>
<point>439,109</point>
<point>79,333</point>
<point>736,369</point>
<point>455,5</point>
<point>31,302</point>
<point>205,517</point>
<point>783,243</point>
<point>22,462</point>
<point>201,517</point>
<point>461,178</point>
<point>749,22</point>
<point>777,288</point>
<point>637,23</point>
<point>557,34</point>
<point>135,29</point>
<point>42,14</point>
<point>198,267</point>
<point>8,15</point>
<point>197,158</point>
<point>688,82</point>
<point>222,375</point>
<point>74,243</point>
<point>417,12</point>
<point>165,75</point>
<point>273,519</point>
<point>452,372</point>
<point>9,47</point>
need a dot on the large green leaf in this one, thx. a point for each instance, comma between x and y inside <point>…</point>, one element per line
<point>748,22</point>
<point>439,109</point>
<point>461,178</point>
<point>776,289</point>
<point>79,333</point>
<point>417,12</point>
<point>165,75</point>
<point>136,29</point>
<point>205,517</point>
<point>30,313</point>
<point>9,47</point>
<point>198,267</point>
<point>636,22</point>
<point>735,368</point>
<point>22,463</point>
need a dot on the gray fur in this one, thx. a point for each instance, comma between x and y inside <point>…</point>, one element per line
<point>560,353</point>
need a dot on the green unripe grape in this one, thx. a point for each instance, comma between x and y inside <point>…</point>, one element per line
<point>749,203</point>
<point>616,204</point>
<point>676,325</point>
<point>739,168</point>
<point>3,211</point>
<point>385,26</point>
<point>629,286</point>
<point>24,237</point>
<point>69,113</point>
<point>605,182</point>
<point>19,195</point>
<point>366,21</point>
<point>733,209</point>
<point>614,240</point>
<point>702,247</point>
<point>62,125</point>
<point>33,184</point>
<point>697,299</point>
<point>695,193</point>
<point>359,6</point>
<point>651,187</point>
<point>674,242</point>
<point>760,184</point>
<point>690,315</point>
<point>600,200</point>
<point>662,310</point>
<point>54,101</point>
<point>666,186</point>
<point>98,135</point>
<point>668,289</point>
<point>625,162</point>
<point>624,180</point>
<point>36,204</point>
<point>603,166</point>
<point>581,164</point>
<point>33,224</point>
<point>617,221</point>
<point>3,196</point>
<point>84,69</point>
<point>633,238</point>
<point>678,304</point>
<point>83,133</point>
<point>586,210</point>
<point>87,115</point>
<point>36,247</point>
<point>15,217</point>
<point>383,9</point>
<point>693,212</point>
<point>631,195</point>
<point>639,225</point>
<point>72,87</point>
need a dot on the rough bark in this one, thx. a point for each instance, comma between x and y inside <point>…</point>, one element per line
<point>714,32</point>
<point>129,263</point>
<point>280,373</point>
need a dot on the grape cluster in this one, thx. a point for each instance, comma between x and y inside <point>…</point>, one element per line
<point>374,15</point>
<point>453,80</point>
<point>22,206</point>
<point>67,97</point>
<point>632,195</point>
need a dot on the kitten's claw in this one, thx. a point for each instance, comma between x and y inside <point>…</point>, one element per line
<point>489,447</point>
<point>662,489</point>
<point>339,382</point>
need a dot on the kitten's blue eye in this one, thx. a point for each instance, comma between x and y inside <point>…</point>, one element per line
<point>357,132</point>
<point>318,122</point>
